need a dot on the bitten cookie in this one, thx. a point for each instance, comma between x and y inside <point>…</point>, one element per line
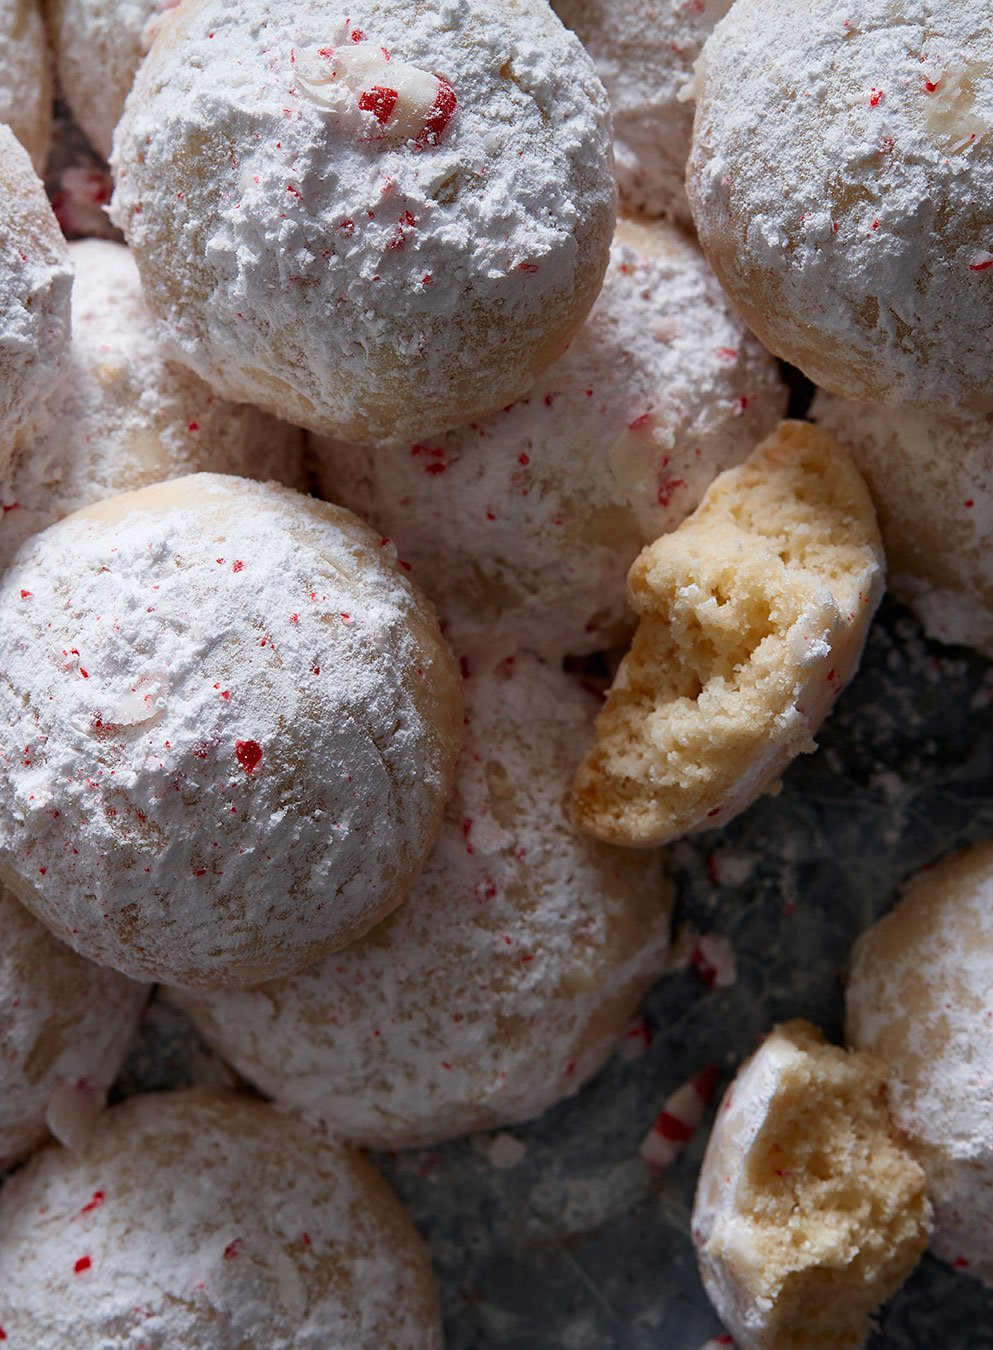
<point>873,272</point>
<point>235,725</point>
<point>35,296</point>
<point>810,1210</point>
<point>752,618</point>
<point>522,526</point>
<point>919,997</point>
<point>206,1220</point>
<point>506,979</point>
<point>644,52</point>
<point>931,479</point>
<point>64,1023</point>
<point>374,222</point>
<point>26,77</point>
<point>124,417</point>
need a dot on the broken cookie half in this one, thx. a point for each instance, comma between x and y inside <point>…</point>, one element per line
<point>752,617</point>
<point>810,1210</point>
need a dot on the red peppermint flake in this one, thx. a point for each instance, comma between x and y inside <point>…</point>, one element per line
<point>193,426</point>
<point>95,1203</point>
<point>232,1250</point>
<point>84,1263</point>
<point>668,489</point>
<point>358,35</point>
<point>876,97</point>
<point>380,101</point>
<point>294,191</point>
<point>930,86</point>
<point>248,754</point>
<point>237,565</point>
<point>26,595</point>
<point>439,117</point>
<point>672,1128</point>
<point>981,262</point>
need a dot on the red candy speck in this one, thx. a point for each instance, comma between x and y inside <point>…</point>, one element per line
<point>876,97</point>
<point>439,117</point>
<point>82,1264</point>
<point>237,565</point>
<point>26,595</point>
<point>380,101</point>
<point>95,1203</point>
<point>248,754</point>
<point>232,1250</point>
<point>358,35</point>
<point>193,426</point>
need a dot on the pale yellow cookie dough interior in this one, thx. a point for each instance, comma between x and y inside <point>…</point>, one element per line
<point>834,1202</point>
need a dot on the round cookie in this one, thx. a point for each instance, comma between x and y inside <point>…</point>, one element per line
<point>375,225</point>
<point>207,1220</point>
<point>810,1210</point>
<point>236,725</point>
<point>506,979</point>
<point>522,526</point>
<point>752,619</point>
<point>644,52</point>
<point>874,272</point>
<point>99,45</point>
<point>63,1022</point>
<point>931,479</point>
<point>919,996</point>
<point>124,417</point>
<point>26,93</point>
<point>35,296</point>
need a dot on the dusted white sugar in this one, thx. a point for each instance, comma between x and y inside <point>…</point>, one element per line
<point>841,181</point>
<point>201,1220</point>
<point>644,52</point>
<point>64,1023</point>
<point>364,253</point>
<point>506,979</point>
<point>35,296</point>
<point>99,45</point>
<point>522,526</point>
<point>228,727</point>
<point>931,478</point>
<point>124,417</point>
<point>920,996</point>
<point>26,77</point>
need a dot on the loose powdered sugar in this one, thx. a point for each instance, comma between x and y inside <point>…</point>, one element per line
<point>124,417</point>
<point>228,726</point>
<point>367,256</point>
<point>25,77</point>
<point>644,52</point>
<point>873,271</point>
<point>63,1022</point>
<point>505,980</point>
<point>206,1220</point>
<point>523,525</point>
<point>35,296</point>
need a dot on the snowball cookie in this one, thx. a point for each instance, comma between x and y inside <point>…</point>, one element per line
<point>99,45</point>
<point>375,226</point>
<point>35,295</point>
<point>920,997</point>
<point>26,94</point>
<point>235,726</point>
<point>62,1021</point>
<point>932,482</point>
<point>752,618</point>
<point>506,979</point>
<point>644,52</point>
<point>208,1221</point>
<point>810,1210</point>
<point>873,273</point>
<point>525,524</point>
<point>125,417</point>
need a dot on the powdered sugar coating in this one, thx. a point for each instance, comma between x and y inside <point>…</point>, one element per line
<point>124,417</point>
<point>26,77</point>
<point>208,1221</point>
<point>523,526</point>
<point>874,272</point>
<point>920,997</point>
<point>366,260</point>
<point>508,976</point>
<point>63,1021</point>
<point>644,52</point>
<point>99,45</point>
<point>235,725</point>
<point>931,479</point>
<point>35,296</point>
